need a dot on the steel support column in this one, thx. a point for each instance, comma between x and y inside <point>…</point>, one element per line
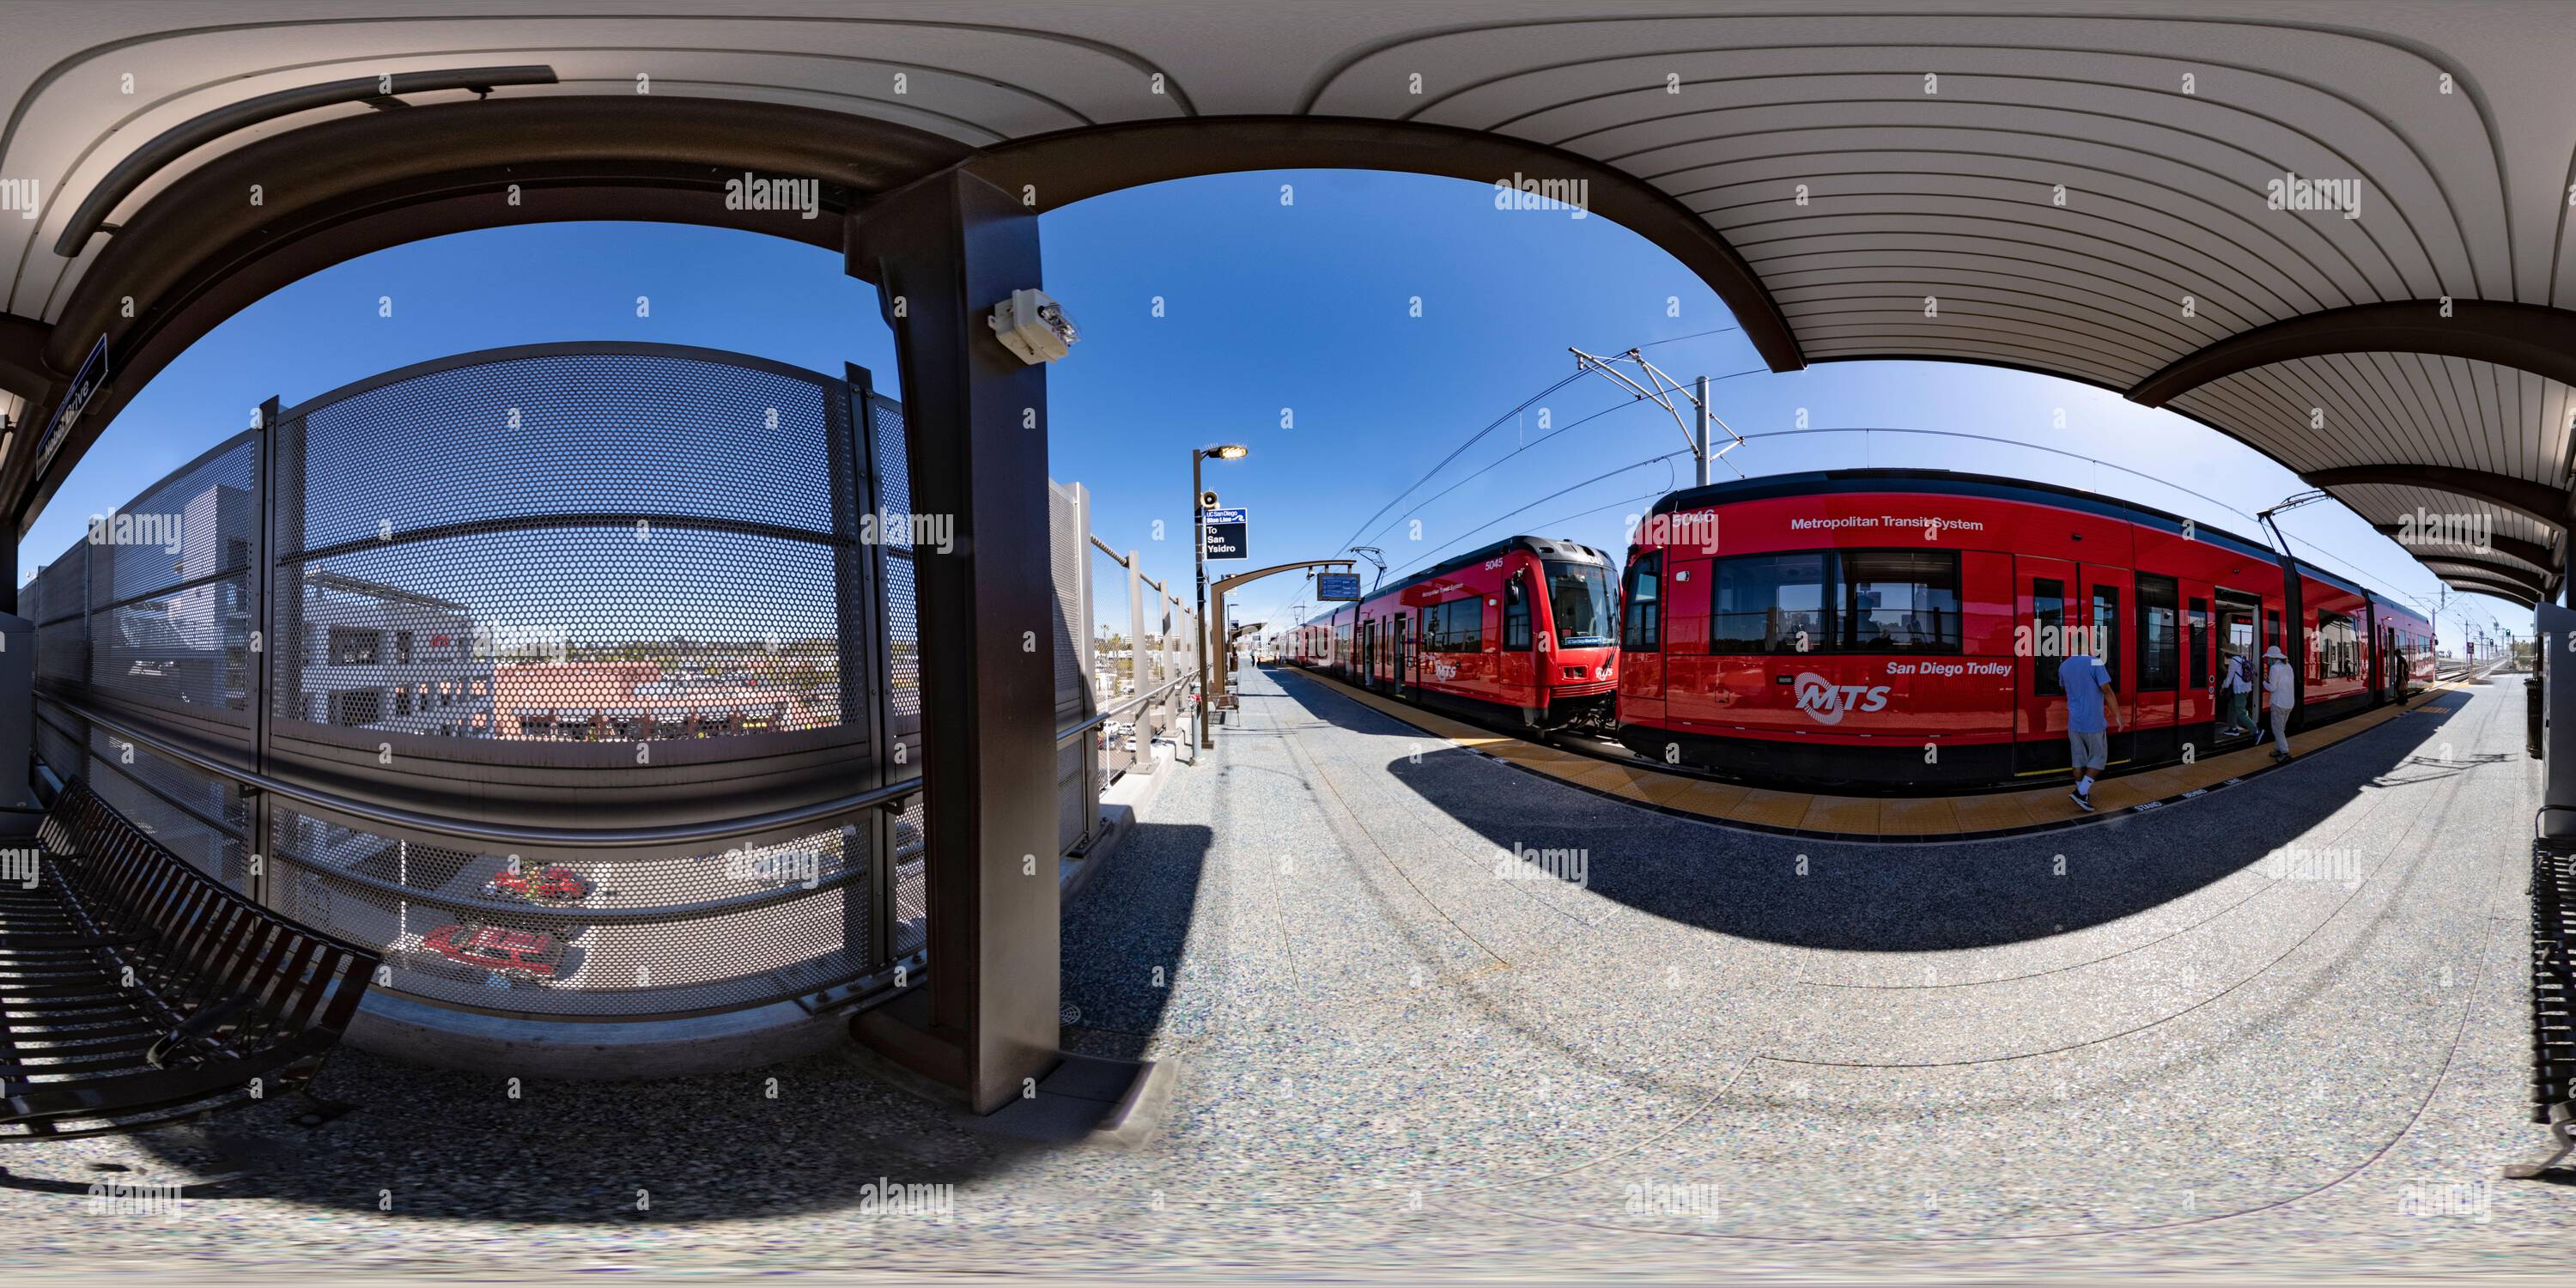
<point>942,252</point>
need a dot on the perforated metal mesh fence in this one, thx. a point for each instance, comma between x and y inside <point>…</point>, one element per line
<point>559,587</point>
<point>555,576</point>
<point>903,623</point>
<point>676,932</point>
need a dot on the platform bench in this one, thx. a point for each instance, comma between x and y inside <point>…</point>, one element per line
<point>137,991</point>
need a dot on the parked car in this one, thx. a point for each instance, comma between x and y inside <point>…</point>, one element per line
<point>555,884</point>
<point>516,954</point>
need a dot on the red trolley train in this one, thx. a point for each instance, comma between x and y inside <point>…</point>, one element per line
<point>1518,631</point>
<point>1900,628</point>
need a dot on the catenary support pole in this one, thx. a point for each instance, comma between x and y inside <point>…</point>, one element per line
<point>1700,439</point>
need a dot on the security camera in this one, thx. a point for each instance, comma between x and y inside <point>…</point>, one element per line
<point>1033,327</point>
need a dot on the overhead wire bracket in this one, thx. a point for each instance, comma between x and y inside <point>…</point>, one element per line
<point>1659,389</point>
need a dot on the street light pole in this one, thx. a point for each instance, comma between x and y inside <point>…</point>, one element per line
<point>1198,554</point>
<point>1198,538</point>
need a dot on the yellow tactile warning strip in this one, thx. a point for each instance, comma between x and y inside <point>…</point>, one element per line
<point>1872,818</point>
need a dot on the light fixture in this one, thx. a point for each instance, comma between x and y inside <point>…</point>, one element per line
<point>1230,452</point>
<point>1033,327</point>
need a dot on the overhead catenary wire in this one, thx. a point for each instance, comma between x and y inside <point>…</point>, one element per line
<point>1631,402</point>
<point>1472,439</point>
<point>1471,532</point>
<point>1516,410</point>
<point>1490,466</point>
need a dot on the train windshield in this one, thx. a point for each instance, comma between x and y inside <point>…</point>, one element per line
<point>1578,595</point>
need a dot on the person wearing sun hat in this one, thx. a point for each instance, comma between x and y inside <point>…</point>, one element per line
<point>2283,685</point>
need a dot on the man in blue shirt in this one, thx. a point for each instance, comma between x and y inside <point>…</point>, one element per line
<point>2087,685</point>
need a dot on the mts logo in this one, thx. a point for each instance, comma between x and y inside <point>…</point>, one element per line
<point>1828,702</point>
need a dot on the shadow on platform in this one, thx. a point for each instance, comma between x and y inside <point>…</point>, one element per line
<point>1849,896</point>
<point>1124,936</point>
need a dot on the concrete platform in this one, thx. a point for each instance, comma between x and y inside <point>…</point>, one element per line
<point>2274,1030</point>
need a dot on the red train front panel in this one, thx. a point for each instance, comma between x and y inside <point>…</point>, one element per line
<point>1513,635</point>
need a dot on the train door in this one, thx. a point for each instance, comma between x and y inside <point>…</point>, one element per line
<point>2109,594</point>
<point>1368,653</point>
<point>2200,697</point>
<point>2240,653</point>
<point>1518,661</point>
<point>2155,646</point>
<point>2386,686</point>
<point>1408,666</point>
<point>1641,640</point>
<point>2041,640</point>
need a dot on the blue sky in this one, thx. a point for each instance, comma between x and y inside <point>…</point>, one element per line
<point>1288,321</point>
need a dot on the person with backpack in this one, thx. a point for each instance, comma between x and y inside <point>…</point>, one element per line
<point>2236,692</point>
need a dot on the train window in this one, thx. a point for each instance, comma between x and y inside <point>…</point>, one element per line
<point>2198,643</point>
<point>2048,634</point>
<point>1900,601</point>
<point>2105,640</point>
<point>2337,649</point>
<point>2159,645</point>
<point>1578,597</point>
<point>1456,627</point>
<point>1775,603</point>
<point>1516,614</point>
<point>1642,626</point>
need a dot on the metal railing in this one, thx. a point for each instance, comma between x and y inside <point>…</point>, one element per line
<point>891,796</point>
<point>1159,671</point>
<point>1134,749</point>
<point>404,661</point>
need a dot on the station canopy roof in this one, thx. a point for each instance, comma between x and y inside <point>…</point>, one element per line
<point>2334,231</point>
